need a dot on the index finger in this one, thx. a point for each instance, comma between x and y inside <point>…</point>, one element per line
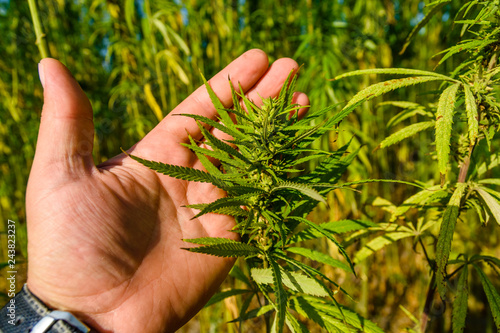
<point>245,70</point>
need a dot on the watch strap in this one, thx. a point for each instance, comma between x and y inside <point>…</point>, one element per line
<point>24,311</point>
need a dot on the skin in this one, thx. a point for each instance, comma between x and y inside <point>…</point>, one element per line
<point>105,241</point>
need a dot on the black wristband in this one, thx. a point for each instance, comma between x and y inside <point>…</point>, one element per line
<point>24,311</point>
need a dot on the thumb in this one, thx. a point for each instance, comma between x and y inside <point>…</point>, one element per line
<point>66,135</point>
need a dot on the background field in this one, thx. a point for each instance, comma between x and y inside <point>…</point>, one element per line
<point>136,60</point>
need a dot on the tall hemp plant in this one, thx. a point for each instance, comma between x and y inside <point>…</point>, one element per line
<point>465,121</point>
<point>270,196</point>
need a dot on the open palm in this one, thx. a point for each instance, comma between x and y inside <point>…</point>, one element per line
<point>105,242</point>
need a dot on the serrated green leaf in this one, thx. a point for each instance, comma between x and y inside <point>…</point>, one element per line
<point>444,120</point>
<point>226,294</point>
<point>472,116</point>
<point>330,169</point>
<point>209,166</point>
<point>394,71</point>
<point>319,257</point>
<point>337,227</point>
<point>295,281</point>
<point>219,144</point>
<point>408,113</point>
<point>460,302</point>
<point>222,156</point>
<point>303,284</point>
<point>491,203</point>
<point>378,243</point>
<point>281,296</point>
<point>219,204</point>
<point>491,294</point>
<point>381,88</point>
<point>312,272</point>
<point>294,325</point>
<point>228,249</point>
<point>405,133</point>
<point>210,240</point>
<point>226,120</point>
<point>302,188</point>
<point>327,235</point>
<point>228,130</point>
<point>419,198</point>
<point>181,172</point>
<point>366,181</point>
<point>307,310</point>
<point>352,318</point>
<point>443,246</point>
<point>462,46</point>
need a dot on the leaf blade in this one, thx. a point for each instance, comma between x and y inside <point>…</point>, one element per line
<point>445,238</point>
<point>444,120</point>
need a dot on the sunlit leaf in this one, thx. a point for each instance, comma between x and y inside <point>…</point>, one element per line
<point>472,116</point>
<point>445,238</point>
<point>302,188</point>
<point>379,89</point>
<point>353,319</point>
<point>405,133</point>
<point>319,257</point>
<point>444,121</point>
<point>281,299</point>
<point>328,235</point>
<point>393,71</point>
<point>491,203</point>
<point>378,243</point>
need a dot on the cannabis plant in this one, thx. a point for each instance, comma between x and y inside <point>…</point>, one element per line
<point>269,195</point>
<point>465,121</point>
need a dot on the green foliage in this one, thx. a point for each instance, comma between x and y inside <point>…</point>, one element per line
<point>138,62</point>
<point>271,203</point>
<point>466,122</point>
<point>445,238</point>
<point>460,302</point>
<point>492,295</point>
<point>444,120</point>
<point>405,133</point>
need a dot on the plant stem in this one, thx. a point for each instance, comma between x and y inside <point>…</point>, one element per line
<point>40,36</point>
<point>462,175</point>
<point>428,303</point>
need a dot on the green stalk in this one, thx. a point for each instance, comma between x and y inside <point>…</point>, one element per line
<point>40,36</point>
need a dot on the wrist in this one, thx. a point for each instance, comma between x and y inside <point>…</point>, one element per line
<point>27,313</point>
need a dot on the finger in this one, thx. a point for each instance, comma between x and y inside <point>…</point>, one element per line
<point>247,70</point>
<point>270,84</point>
<point>301,99</point>
<point>66,128</point>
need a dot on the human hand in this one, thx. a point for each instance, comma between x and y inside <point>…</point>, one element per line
<point>105,241</point>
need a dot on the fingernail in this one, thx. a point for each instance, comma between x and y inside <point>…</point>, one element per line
<point>41,75</point>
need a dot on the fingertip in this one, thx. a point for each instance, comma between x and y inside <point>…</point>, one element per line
<point>301,99</point>
<point>62,89</point>
<point>257,54</point>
